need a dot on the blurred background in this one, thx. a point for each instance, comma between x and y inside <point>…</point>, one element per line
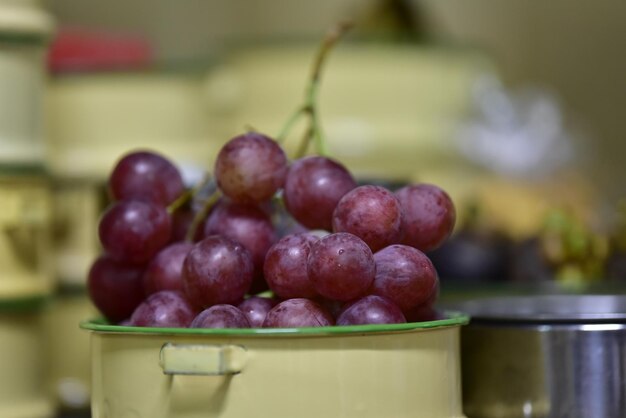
<point>515,108</point>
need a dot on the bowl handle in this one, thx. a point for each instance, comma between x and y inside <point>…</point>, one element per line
<point>202,359</point>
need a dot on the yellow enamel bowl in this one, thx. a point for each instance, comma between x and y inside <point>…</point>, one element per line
<point>366,371</point>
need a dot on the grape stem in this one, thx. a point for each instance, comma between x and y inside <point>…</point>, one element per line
<point>202,214</point>
<point>309,108</point>
<point>188,194</point>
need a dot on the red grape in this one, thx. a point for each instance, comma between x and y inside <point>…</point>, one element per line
<point>164,309</point>
<point>221,316</point>
<point>247,225</point>
<point>371,309</point>
<point>165,270</point>
<point>421,313</point>
<point>250,168</point>
<point>217,270</point>
<point>145,175</point>
<point>134,231</point>
<point>313,188</point>
<point>372,213</point>
<point>341,266</point>
<point>256,308</point>
<point>115,288</point>
<point>285,267</point>
<point>405,276</point>
<point>295,313</point>
<point>428,214</point>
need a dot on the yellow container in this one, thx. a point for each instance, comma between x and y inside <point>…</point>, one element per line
<point>77,207</point>
<point>24,234</point>
<point>23,360</point>
<point>68,349</point>
<point>369,371</point>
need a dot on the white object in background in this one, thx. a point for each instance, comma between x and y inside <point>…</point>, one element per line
<point>519,134</point>
<point>24,31</point>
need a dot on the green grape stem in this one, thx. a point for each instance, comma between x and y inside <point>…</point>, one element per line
<point>202,214</point>
<point>188,194</point>
<point>309,108</point>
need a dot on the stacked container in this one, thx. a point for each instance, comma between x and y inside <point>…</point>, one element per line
<point>25,276</point>
<point>97,113</point>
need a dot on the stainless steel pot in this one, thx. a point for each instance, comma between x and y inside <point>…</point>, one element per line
<point>545,356</point>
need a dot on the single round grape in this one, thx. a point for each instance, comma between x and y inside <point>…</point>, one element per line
<point>145,175</point>
<point>404,275</point>
<point>247,225</point>
<point>296,313</point>
<point>334,307</point>
<point>372,213</point>
<point>426,312</point>
<point>217,270</point>
<point>341,266</point>
<point>285,267</point>
<point>221,316</point>
<point>428,216</point>
<point>371,309</point>
<point>115,288</point>
<point>250,168</point>
<point>313,187</point>
<point>165,270</point>
<point>167,309</point>
<point>256,308</point>
<point>134,231</point>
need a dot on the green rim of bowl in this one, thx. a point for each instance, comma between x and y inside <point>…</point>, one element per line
<point>451,319</point>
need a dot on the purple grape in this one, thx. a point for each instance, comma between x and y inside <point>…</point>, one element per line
<point>334,307</point>
<point>221,316</point>
<point>341,266</point>
<point>256,308</point>
<point>250,168</point>
<point>285,268</point>
<point>145,175</point>
<point>115,288</point>
<point>313,187</point>
<point>371,309</point>
<point>372,213</point>
<point>428,216</point>
<point>426,312</point>
<point>134,231</point>
<point>165,270</point>
<point>296,313</point>
<point>166,309</point>
<point>405,276</point>
<point>247,225</point>
<point>217,270</point>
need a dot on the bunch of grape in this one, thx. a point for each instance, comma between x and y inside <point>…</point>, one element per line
<point>353,255</point>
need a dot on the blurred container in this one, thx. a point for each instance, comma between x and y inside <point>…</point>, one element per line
<point>388,110</point>
<point>23,359</point>
<point>77,207</point>
<point>544,356</point>
<point>24,32</point>
<point>24,235</point>
<point>68,348</point>
<point>24,196</point>
<point>400,371</point>
<point>95,118</point>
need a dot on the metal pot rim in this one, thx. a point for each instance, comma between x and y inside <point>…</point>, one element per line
<point>547,309</point>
